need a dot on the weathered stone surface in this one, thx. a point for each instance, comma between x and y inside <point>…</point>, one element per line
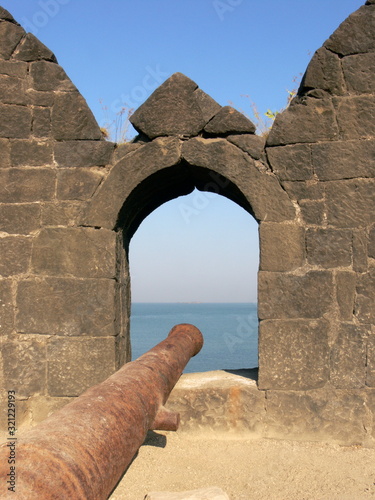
<point>290,243</point>
<point>370,377</point>
<point>49,76</point>
<point>359,73</point>
<point>291,163</point>
<point>312,212</point>
<point>229,121</point>
<point>31,153</point>
<point>19,218</point>
<point>83,153</point>
<point>64,306</point>
<point>211,493</point>
<point>6,307</point>
<point>218,401</point>
<point>15,254</point>
<point>344,159</point>
<point>72,118</point>
<point>311,190</point>
<point>12,90</point>
<point>283,296</point>
<point>77,183</point>
<point>124,149</point>
<point>348,358</point>
<point>324,72</point>
<point>293,354</point>
<point>365,299</point>
<point>311,121</point>
<point>208,106</point>
<point>24,366</point>
<point>42,407</point>
<point>249,143</point>
<point>330,415</point>
<point>262,189</point>
<point>356,34</point>
<point>371,244</point>
<point>350,203</point>
<point>345,292</point>
<point>41,124</point>
<point>15,122</point>
<point>61,213</point>
<point>10,36</point>
<point>355,117</point>
<point>40,98</point>
<point>360,251</point>
<point>105,206</point>
<point>173,109</point>
<point>4,153</point>
<point>78,252</point>
<point>19,185</point>
<point>329,248</point>
<point>74,365</point>
<point>32,49</point>
<point>7,16</point>
<point>13,68</point>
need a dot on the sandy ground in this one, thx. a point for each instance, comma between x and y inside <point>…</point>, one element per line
<point>249,469</point>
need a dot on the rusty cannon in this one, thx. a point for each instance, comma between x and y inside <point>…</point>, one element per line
<point>81,451</point>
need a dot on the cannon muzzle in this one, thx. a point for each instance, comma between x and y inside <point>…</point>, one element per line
<point>81,451</point>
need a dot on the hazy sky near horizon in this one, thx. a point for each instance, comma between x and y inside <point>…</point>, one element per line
<point>202,247</point>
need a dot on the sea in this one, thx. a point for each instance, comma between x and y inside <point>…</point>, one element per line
<point>230,332</point>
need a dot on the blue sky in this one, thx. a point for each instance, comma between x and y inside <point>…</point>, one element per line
<point>202,247</point>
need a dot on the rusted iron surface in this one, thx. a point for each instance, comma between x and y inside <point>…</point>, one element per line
<point>81,451</point>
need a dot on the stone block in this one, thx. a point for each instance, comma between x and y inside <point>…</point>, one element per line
<point>211,493</point>
<point>6,15</point>
<point>45,99</point>
<point>4,153</point>
<point>348,357</point>
<point>359,73</point>
<point>329,248</point>
<point>370,376</point>
<point>345,292</point>
<point>355,117</point>
<point>10,37</point>
<point>24,366</point>
<point>284,296</point>
<point>172,109</point>
<point>313,120</point>
<point>12,90</point>
<point>229,121</point>
<point>13,68</point>
<point>6,307</point>
<point>323,414</point>
<point>19,185</point>
<point>208,106</point>
<point>15,122</point>
<point>77,252</point>
<point>32,49</point>
<point>350,203</point>
<point>312,212</point>
<point>360,251</point>
<point>371,244</point>
<point>365,298</point>
<point>355,34</point>
<point>74,365</point>
<point>343,159</point>
<point>293,354</point>
<point>61,213</point>
<point>311,190</point>
<point>77,183</point>
<point>41,126</point>
<point>262,189</point>
<point>49,76</point>
<point>83,153</point>
<point>19,218</point>
<point>42,407</point>
<point>63,306</point>
<point>31,153</point>
<point>291,163</point>
<point>324,72</point>
<point>249,143</point>
<point>15,254</point>
<point>72,119</point>
<point>282,246</point>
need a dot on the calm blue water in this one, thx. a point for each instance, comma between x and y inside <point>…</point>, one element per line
<point>230,332</point>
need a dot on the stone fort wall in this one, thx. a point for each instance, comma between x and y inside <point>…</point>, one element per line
<point>71,201</point>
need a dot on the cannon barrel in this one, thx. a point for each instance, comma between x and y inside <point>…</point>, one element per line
<point>81,451</point>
